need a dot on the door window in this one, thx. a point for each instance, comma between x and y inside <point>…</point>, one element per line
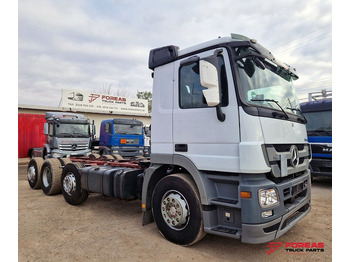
<point>190,89</point>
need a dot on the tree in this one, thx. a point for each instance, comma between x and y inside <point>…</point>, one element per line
<point>147,95</point>
<point>106,89</point>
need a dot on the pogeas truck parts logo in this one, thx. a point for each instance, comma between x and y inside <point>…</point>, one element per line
<point>296,247</point>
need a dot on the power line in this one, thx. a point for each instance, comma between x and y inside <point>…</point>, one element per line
<point>302,36</point>
<point>308,38</point>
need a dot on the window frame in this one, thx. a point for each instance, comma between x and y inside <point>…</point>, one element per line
<point>223,93</point>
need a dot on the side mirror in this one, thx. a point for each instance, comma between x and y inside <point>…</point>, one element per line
<point>46,128</point>
<point>209,79</point>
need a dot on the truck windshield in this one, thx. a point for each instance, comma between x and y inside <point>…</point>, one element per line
<point>72,130</point>
<point>265,84</point>
<point>319,123</point>
<point>126,129</point>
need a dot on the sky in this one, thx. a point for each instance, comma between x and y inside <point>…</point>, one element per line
<point>93,45</point>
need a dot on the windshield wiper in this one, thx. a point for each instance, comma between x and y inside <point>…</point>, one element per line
<point>271,100</point>
<point>304,121</point>
<point>81,135</point>
<point>65,135</point>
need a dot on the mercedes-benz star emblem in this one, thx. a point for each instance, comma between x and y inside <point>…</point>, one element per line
<point>295,156</point>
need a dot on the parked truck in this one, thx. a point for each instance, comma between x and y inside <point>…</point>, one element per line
<point>124,137</point>
<point>229,156</point>
<point>30,133</point>
<point>67,134</point>
<point>319,129</point>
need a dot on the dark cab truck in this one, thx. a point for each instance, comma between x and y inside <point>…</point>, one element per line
<point>124,137</point>
<point>229,156</point>
<point>319,129</point>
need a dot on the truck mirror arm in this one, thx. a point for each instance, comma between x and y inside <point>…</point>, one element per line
<point>220,115</point>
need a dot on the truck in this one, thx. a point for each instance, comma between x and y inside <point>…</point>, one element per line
<point>66,134</point>
<point>30,133</point>
<point>319,129</point>
<point>124,137</point>
<point>230,153</point>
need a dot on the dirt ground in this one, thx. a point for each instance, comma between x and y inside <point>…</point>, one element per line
<point>106,229</point>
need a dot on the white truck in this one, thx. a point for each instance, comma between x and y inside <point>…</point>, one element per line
<point>229,147</point>
<point>67,134</point>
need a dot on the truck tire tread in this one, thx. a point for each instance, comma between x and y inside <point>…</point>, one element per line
<point>54,166</point>
<point>36,163</point>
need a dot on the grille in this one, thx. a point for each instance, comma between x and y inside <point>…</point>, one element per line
<point>74,147</point>
<point>287,159</point>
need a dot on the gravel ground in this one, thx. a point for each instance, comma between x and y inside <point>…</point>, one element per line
<point>107,229</point>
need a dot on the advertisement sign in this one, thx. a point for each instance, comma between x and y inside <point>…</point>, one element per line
<point>101,102</point>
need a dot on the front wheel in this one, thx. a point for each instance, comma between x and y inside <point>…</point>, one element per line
<point>71,184</point>
<point>177,209</point>
<point>33,172</point>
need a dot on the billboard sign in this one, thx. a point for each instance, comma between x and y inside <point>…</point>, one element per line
<point>102,102</point>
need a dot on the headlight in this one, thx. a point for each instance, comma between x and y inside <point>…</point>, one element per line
<point>268,197</point>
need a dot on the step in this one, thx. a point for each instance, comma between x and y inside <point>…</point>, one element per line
<point>232,203</point>
<point>224,231</point>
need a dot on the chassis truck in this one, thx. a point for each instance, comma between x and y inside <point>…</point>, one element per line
<point>67,134</point>
<point>229,153</point>
<point>124,137</point>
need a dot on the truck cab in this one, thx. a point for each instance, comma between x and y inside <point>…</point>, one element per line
<point>67,134</point>
<point>124,137</point>
<point>226,121</point>
<point>319,129</point>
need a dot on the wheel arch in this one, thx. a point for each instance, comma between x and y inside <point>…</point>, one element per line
<point>157,171</point>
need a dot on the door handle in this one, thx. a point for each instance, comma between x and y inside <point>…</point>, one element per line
<point>181,147</point>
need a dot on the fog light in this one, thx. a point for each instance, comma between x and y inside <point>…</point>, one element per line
<point>268,198</point>
<point>267,213</point>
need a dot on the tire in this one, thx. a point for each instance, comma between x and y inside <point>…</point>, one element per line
<point>33,172</point>
<point>51,176</point>
<point>71,184</point>
<point>64,161</point>
<point>117,157</point>
<point>177,210</point>
<point>107,157</point>
<point>94,156</point>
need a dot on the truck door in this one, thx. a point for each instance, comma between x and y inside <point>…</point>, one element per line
<point>197,133</point>
<point>105,130</point>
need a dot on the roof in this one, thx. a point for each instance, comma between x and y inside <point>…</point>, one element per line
<point>316,106</point>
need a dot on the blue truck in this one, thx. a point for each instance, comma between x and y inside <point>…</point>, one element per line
<point>124,137</point>
<point>319,129</point>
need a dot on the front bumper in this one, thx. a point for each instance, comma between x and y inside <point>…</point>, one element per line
<point>262,233</point>
<point>321,167</point>
<point>295,204</point>
<point>56,153</point>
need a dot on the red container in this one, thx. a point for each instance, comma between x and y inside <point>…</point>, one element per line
<point>30,133</point>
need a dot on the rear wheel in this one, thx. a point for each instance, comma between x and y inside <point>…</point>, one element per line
<point>107,157</point>
<point>64,161</point>
<point>177,209</point>
<point>71,184</point>
<point>51,176</point>
<point>33,172</point>
<point>94,156</point>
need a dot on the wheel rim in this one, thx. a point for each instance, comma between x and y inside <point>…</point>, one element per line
<point>47,177</point>
<point>31,173</point>
<point>69,184</point>
<point>175,210</point>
